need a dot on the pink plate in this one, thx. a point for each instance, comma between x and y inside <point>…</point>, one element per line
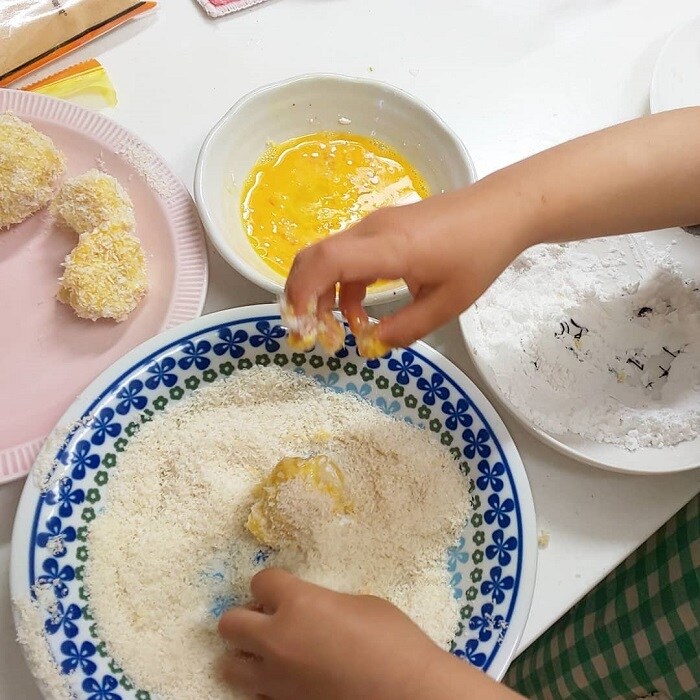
<point>49,355</point>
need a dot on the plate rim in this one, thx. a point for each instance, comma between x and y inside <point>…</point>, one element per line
<point>22,526</point>
<point>190,252</point>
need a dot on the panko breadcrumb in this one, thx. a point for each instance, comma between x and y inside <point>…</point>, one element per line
<point>105,275</point>
<point>30,169</point>
<point>91,200</point>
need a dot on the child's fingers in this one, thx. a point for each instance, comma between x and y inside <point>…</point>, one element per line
<point>350,256</point>
<point>244,629</point>
<point>269,587</point>
<point>241,671</point>
<point>352,295</point>
<point>326,302</point>
<point>429,311</point>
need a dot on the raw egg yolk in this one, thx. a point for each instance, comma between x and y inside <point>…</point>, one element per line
<point>311,187</point>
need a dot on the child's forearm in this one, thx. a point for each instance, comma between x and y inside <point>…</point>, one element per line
<point>448,678</point>
<point>638,176</point>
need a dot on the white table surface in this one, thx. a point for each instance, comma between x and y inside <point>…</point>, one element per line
<point>512,79</point>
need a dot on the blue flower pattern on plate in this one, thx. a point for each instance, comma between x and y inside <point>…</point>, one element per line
<point>486,623</point>
<point>268,336</point>
<point>104,426</point>
<point>103,690</point>
<point>471,654</point>
<point>456,579</point>
<point>405,368</point>
<point>57,576</point>
<point>231,343</point>
<point>389,408</point>
<point>57,534</point>
<point>195,355</point>
<point>81,460</point>
<point>502,547</point>
<point>130,395</point>
<point>456,555</point>
<point>65,496</point>
<point>499,511</point>
<point>139,388</point>
<point>162,372</point>
<point>220,605</point>
<point>78,657</point>
<point>433,389</point>
<point>329,382</point>
<point>497,585</point>
<point>63,619</point>
<point>457,415</point>
<point>364,390</point>
<point>261,556</point>
<point>490,476</point>
<point>476,443</point>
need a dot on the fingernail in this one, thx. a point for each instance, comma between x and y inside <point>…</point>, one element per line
<point>356,323</point>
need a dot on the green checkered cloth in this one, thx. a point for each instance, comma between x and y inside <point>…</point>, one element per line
<point>635,635</point>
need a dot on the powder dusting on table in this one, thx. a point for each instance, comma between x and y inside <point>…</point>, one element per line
<point>171,550</point>
<point>580,343</point>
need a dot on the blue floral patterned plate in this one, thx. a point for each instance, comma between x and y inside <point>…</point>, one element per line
<point>492,568</point>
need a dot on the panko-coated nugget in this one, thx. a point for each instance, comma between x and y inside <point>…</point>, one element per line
<point>91,200</point>
<point>30,169</point>
<point>105,275</point>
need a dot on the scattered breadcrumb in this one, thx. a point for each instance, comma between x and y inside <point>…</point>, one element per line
<point>149,167</point>
<point>344,121</point>
<point>30,634</point>
<point>543,539</point>
<point>46,470</point>
<point>93,199</point>
<point>105,275</point>
<point>171,551</point>
<point>30,169</point>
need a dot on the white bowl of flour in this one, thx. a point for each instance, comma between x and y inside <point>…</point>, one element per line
<point>595,347</point>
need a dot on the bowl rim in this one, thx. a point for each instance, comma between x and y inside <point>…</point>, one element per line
<point>22,525</point>
<point>217,237</point>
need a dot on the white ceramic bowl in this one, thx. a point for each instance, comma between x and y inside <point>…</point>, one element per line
<point>304,105</point>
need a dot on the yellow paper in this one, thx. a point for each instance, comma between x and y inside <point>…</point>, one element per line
<point>86,84</point>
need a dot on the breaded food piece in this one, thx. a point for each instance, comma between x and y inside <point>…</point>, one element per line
<point>369,345</point>
<point>91,200</point>
<point>105,275</point>
<point>300,495</point>
<point>30,169</point>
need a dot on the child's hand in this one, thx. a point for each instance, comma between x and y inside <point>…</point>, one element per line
<point>316,644</point>
<point>313,644</point>
<point>448,249</point>
<point>638,176</point>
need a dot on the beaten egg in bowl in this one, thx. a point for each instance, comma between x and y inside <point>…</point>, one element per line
<point>313,186</point>
<point>406,130</point>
